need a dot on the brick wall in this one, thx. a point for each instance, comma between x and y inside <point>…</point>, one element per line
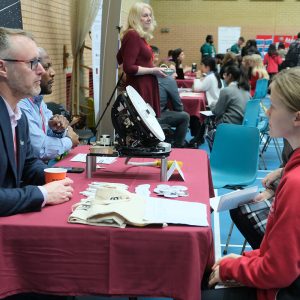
<point>190,21</point>
<point>49,21</point>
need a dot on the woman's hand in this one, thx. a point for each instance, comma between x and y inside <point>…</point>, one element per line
<point>271,177</point>
<point>266,194</point>
<point>214,277</point>
<point>159,72</point>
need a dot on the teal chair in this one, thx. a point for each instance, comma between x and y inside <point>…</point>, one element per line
<point>261,89</point>
<point>234,156</point>
<point>252,111</point>
<point>234,160</point>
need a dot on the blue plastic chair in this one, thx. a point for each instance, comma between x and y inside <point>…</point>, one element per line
<point>261,89</point>
<point>234,156</point>
<point>234,160</point>
<point>252,111</point>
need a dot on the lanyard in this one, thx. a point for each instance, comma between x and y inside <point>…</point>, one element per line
<point>41,114</point>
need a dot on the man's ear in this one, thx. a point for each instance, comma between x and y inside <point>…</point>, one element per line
<point>3,69</point>
<point>297,119</point>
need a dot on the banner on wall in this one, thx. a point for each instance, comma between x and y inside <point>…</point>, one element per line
<point>263,41</point>
<point>96,51</point>
<point>227,36</point>
<point>286,39</point>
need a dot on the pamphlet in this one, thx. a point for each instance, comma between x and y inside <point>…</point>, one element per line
<point>234,199</point>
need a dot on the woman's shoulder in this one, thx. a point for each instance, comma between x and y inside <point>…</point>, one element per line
<point>130,34</point>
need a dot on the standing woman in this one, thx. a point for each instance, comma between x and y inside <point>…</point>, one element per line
<point>272,271</point>
<point>137,57</point>
<point>272,60</point>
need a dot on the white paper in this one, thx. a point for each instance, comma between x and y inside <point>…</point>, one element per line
<point>81,157</point>
<point>227,36</point>
<point>234,199</point>
<point>187,94</point>
<point>172,169</point>
<point>207,113</point>
<point>175,212</point>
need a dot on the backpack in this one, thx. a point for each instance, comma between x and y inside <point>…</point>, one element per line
<point>292,58</point>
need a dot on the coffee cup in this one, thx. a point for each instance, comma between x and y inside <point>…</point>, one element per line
<point>54,174</point>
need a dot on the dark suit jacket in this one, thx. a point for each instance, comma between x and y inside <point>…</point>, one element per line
<point>17,190</point>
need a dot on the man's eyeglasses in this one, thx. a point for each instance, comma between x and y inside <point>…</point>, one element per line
<point>33,62</point>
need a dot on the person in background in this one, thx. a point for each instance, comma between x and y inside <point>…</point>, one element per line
<point>292,58</point>
<point>236,48</point>
<point>219,60</point>
<point>250,48</point>
<point>211,84</point>
<point>50,135</point>
<point>208,48</point>
<point>136,55</point>
<point>178,57</point>
<point>272,271</point>
<point>177,117</point>
<point>22,181</point>
<point>272,61</point>
<point>228,60</point>
<point>232,101</point>
<point>281,50</point>
<point>210,81</point>
<point>256,70</point>
<point>231,105</point>
<point>170,55</point>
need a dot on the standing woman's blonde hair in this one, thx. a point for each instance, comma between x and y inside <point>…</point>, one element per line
<point>258,67</point>
<point>287,84</point>
<point>134,21</point>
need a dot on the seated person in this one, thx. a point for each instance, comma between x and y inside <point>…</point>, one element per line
<point>272,271</point>
<point>178,58</point>
<point>168,92</point>
<point>211,84</point>
<point>257,70</point>
<point>251,219</point>
<point>50,135</point>
<point>230,107</point>
<point>228,60</point>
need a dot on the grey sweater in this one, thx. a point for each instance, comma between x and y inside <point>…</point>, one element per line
<point>230,107</point>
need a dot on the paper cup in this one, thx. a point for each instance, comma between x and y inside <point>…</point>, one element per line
<point>53,174</point>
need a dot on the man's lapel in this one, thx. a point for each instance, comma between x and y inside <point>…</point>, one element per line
<point>7,135</point>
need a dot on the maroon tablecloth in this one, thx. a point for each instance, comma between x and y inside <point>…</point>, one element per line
<point>41,252</point>
<point>194,104</point>
<point>185,83</point>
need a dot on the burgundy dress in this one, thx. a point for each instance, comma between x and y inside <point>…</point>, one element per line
<point>133,53</point>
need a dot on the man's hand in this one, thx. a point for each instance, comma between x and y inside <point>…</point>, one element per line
<point>58,123</point>
<point>59,191</point>
<point>73,136</point>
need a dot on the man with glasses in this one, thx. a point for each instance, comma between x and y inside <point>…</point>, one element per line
<point>50,135</point>
<point>22,184</point>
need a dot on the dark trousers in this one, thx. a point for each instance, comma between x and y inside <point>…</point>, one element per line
<point>252,236</point>
<point>236,293</point>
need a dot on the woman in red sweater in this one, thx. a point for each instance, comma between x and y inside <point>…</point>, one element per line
<point>271,272</point>
<point>272,60</point>
<point>137,57</point>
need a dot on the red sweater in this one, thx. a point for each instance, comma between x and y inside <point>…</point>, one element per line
<point>272,63</point>
<point>277,263</point>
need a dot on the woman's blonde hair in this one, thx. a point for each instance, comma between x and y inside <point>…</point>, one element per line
<point>287,84</point>
<point>258,66</point>
<point>134,21</point>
